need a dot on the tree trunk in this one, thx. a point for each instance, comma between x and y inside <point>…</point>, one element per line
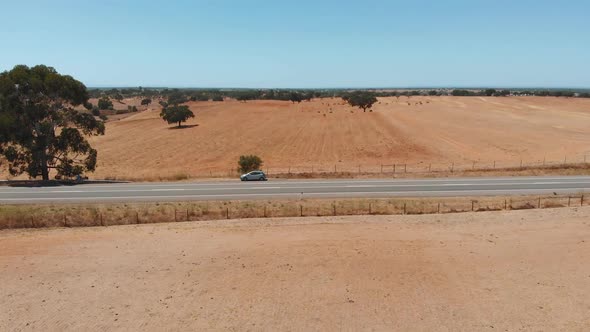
<point>44,167</point>
<point>178,124</point>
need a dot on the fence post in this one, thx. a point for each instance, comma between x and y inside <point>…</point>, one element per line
<point>569,200</point>
<point>186,214</point>
<point>101,222</point>
<point>334,207</point>
<point>227,212</point>
<point>539,204</point>
<point>175,215</point>
<point>452,166</point>
<point>472,205</point>
<point>301,210</point>
<point>564,160</point>
<point>334,168</point>
<point>404,208</point>
<point>582,200</point>
<point>505,205</point>
<point>289,169</point>
<point>393,168</point>
<point>405,168</point>
<point>438,209</point>
<point>265,211</point>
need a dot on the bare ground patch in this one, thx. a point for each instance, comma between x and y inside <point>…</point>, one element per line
<point>491,271</point>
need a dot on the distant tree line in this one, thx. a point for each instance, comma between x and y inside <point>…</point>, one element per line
<point>180,96</point>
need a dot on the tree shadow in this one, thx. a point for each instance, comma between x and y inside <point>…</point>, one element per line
<point>183,127</point>
<point>52,183</point>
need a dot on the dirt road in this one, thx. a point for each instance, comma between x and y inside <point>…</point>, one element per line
<point>492,271</point>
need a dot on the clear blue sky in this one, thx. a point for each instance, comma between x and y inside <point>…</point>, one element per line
<point>303,43</point>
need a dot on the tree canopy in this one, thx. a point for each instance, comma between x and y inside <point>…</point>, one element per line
<point>360,99</point>
<point>104,103</point>
<point>176,114</point>
<point>295,97</point>
<point>40,128</point>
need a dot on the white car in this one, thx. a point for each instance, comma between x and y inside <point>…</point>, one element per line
<point>253,176</point>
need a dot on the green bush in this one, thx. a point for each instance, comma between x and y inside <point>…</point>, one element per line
<point>249,163</point>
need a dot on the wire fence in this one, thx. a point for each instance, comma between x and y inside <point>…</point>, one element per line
<point>122,214</point>
<point>400,168</point>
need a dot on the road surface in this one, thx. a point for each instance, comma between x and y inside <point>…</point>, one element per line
<point>281,189</point>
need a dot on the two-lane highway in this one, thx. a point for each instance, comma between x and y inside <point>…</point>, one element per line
<point>280,189</point>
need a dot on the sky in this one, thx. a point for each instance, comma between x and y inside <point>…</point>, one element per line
<point>303,44</point>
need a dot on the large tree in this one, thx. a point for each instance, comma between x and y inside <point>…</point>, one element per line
<point>295,97</point>
<point>176,114</point>
<point>360,99</point>
<point>40,127</point>
<point>104,103</point>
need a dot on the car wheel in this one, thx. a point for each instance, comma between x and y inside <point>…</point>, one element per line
<point>263,179</point>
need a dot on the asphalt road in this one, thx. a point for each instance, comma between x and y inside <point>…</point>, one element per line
<point>280,189</point>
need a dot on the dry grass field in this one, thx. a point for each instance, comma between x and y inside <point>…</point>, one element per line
<point>325,132</point>
<point>488,271</point>
<point>109,214</point>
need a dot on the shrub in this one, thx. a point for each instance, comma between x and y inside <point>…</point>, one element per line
<point>248,163</point>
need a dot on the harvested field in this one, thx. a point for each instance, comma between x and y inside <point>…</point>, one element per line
<point>489,271</point>
<point>327,134</point>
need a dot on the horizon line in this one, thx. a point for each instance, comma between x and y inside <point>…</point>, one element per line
<point>341,88</point>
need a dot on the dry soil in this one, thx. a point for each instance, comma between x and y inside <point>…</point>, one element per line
<point>491,271</point>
